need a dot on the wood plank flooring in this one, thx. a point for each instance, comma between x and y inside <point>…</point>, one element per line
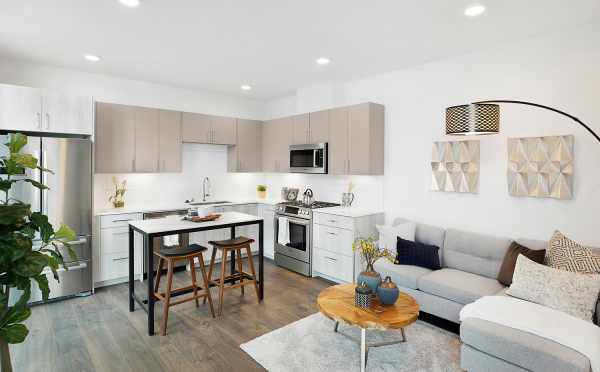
<point>98,333</point>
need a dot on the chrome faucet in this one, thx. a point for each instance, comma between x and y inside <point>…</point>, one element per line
<point>205,187</point>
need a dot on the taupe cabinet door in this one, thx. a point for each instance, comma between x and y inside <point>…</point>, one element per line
<point>319,126</point>
<point>201,128</point>
<point>246,156</point>
<point>146,140</point>
<point>357,139</point>
<point>300,129</point>
<point>223,130</point>
<point>338,141</point>
<point>276,139</point>
<point>115,138</point>
<point>196,128</point>
<point>170,151</point>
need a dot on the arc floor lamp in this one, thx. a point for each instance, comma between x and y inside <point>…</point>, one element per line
<point>483,117</point>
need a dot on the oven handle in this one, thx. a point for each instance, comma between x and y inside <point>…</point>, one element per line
<point>294,220</point>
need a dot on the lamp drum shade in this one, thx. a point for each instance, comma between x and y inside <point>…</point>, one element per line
<point>473,119</point>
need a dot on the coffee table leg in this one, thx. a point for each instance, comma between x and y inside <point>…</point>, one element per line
<point>335,327</point>
<point>363,349</point>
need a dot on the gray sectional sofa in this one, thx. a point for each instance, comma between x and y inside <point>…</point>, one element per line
<point>470,264</point>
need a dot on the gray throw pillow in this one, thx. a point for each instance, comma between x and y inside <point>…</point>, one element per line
<point>572,293</point>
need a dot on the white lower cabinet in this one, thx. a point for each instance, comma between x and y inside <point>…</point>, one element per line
<point>111,252</point>
<point>333,236</point>
<point>268,214</point>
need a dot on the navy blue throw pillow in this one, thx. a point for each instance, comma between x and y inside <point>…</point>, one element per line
<point>417,254</point>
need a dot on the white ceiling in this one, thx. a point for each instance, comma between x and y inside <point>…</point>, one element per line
<point>270,44</point>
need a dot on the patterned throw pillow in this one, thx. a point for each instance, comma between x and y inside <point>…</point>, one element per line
<point>566,254</point>
<point>569,292</point>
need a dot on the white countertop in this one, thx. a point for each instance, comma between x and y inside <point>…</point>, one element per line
<point>175,223</point>
<point>352,212</point>
<point>161,206</point>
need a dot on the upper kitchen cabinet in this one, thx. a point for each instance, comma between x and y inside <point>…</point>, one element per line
<point>67,113</point>
<point>246,156</point>
<point>133,139</point>
<point>20,108</point>
<point>201,128</point>
<point>170,151</point>
<point>34,110</point>
<point>319,126</point>
<point>277,138</point>
<point>115,138</point>
<point>357,139</point>
<point>300,129</point>
<point>146,140</point>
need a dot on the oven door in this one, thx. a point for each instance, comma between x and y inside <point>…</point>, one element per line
<point>300,239</point>
<point>308,158</point>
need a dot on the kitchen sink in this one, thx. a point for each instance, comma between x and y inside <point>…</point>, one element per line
<point>209,203</point>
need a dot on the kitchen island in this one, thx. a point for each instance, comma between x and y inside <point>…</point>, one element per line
<point>169,226</point>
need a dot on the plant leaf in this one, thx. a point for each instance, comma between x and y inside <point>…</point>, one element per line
<point>16,315</point>
<point>42,281</point>
<point>65,233</point>
<point>14,214</point>
<point>14,333</point>
<point>24,160</point>
<point>16,142</point>
<point>31,265</point>
<point>43,226</point>
<point>5,185</point>
<point>35,183</point>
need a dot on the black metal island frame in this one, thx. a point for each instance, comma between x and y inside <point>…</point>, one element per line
<point>170,226</point>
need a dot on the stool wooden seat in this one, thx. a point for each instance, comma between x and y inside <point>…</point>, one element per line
<point>170,256</point>
<point>234,246</point>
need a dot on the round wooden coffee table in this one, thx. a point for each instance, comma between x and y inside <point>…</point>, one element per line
<point>337,303</point>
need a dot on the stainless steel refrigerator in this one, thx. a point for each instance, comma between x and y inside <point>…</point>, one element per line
<point>68,200</point>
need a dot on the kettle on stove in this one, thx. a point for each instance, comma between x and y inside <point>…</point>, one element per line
<point>308,198</point>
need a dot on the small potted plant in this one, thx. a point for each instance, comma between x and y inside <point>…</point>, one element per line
<point>118,198</point>
<point>261,191</point>
<point>370,253</point>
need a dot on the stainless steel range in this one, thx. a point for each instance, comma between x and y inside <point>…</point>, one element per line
<point>293,250</point>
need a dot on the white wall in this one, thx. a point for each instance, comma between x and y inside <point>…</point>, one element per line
<point>559,70</point>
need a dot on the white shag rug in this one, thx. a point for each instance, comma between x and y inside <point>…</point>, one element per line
<point>310,344</point>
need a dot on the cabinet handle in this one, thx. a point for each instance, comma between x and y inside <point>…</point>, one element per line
<point>158,164</point>
<point>47,121</point>
<point>332,221</point>
<point>120,259</point>
<point>124,220</point>
<point>331,258</point>
<point>38,120</point>
<point>330,233</point>
<point>164,167</point>
<point>133,164</point>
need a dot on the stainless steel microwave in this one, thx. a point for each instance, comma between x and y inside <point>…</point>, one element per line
<point>308,158</point>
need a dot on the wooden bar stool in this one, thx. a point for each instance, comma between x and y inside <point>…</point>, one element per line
<point>234,246</point>
<point>170,256</point>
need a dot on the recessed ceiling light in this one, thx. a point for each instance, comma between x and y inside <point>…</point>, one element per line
<point>474,10</point>
<point>91,57</point>
<point>130,3</point>
<point>245,87</point>
<point>322,61</point>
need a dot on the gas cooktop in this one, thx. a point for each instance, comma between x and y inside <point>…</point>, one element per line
<point>314,205</point>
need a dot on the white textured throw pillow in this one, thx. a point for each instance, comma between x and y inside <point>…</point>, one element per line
<point>388,234</point>
<point>573,293</point>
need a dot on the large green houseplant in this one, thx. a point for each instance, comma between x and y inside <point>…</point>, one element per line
<point>28,245</point>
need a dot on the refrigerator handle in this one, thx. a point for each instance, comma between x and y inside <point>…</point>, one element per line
<point>45,182</point>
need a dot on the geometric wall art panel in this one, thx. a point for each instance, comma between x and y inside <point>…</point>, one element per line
<point>455,166</point>
<point>541,167</point>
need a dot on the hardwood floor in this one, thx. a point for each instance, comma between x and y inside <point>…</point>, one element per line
<point>98,333</point>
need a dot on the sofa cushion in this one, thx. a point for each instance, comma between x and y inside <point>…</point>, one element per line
<point>427,234</point>
<point>474,253</point>
<point>403,275</point>
<point>458,286</point>
<point>520,348</point>
<point>566,254</point>
<point>417,254</point>
<point>507,268</point>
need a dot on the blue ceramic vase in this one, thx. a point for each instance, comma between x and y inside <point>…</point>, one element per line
<point>371,278</point>
<point>388,292</point>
